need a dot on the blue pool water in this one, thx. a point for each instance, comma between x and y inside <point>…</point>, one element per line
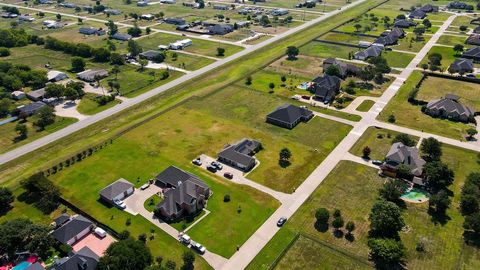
<point>22,266</point>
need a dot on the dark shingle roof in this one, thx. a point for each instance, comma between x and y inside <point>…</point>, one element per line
<point>240,152</point>
<point>289,113</point>
<point>462,65</point>
<point>404,23</point>
<point>473,39</point>
<point>409,156</point>
<point>175,176</point>
<point>84,259</point>
<point>450,105</point>
<point>32,107</point>
<point>120,36</point>
<point>417,13</point>
<point>372,51</point>
<point>71,229</point>
<point>60,220</point>
<point>116,188</point>
<point>472,53</point>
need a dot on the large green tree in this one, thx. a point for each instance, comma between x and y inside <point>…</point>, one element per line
<point>431,148</point>
<point>6,198</point>
<point>126,254</point>
<point>386,219</point>
<point>438,175</point>
<point>386,253</point>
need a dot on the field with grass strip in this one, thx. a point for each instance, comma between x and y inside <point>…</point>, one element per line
<point>89,105</point>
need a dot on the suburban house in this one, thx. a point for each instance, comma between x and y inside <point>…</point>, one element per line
<point>55,76</point>
<point>185,193</point>
<point>476,30</point>
<point>221,7</point>
<point>461,66</point>
<point>117,190</point>
<point>458,5</point>
<point>404,23</point>
<point>31,108</point>
<point>147,17</point>
<point>112,12</point>
<point>67,5</point>
<point>429,8</point>
<point>90,75</point>
<point>390,37</point>
<point>417,14</point>
<point>175,21</point>
<point>60,220</point>
<point>18,95</point>
<point>151,55</point>
<point>449,107</point>
<point>288,116</point>
<point>142,3</point>
<point>406,155</point>
<point>220,29</point>
<point>473,39</point>
<point>36,95</point>
<point>345,69</point>
<point>168,2</point>
<point>278,12</point>
<point>325,88</point>
<point>121,37</point>
<point>473,53</point>
<point>84,259</point>
<point>180,44</point>
<point>73,230</point>
<point>372,51</point>
<point>240,154</point>
<point>25,18</point>
<point>91,31</point>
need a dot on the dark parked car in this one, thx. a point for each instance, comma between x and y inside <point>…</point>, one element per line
<point>281,221</point>
<point>197,162</point>
<point>228,175</point>
<point>211,168</point>
<point>377,162</point>
<point>217,165</point>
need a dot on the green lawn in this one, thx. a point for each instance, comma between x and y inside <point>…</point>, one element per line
<point>411,116</point>
<point>151,202</point>
<point>365,106</point>
<point>342,190</point>
<point>345,38</point>
<point>186,61</point>
<point>434,88</point>
<point>410,43</point>
<point>324,50</point>
<point>451,40</point>
<point>8,133</point>
<point>448,56</point>
<point>262,79</point>
<point>89,106</point>
<point>378,140</point>
<point>398,59</point>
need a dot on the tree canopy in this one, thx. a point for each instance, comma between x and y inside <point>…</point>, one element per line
<point>386,219</point>
<point>126,254</point>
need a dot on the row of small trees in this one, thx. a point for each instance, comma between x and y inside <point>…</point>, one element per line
<point>322,216</point>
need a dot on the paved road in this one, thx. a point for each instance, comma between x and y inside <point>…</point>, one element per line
<point>27,148</point>
<point>267,231</point>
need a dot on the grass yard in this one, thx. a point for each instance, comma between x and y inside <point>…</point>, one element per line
<point>365,106</point>
<point>410,43</point>
<point>153,201</point>
<point>187,61</point>
<point>89,106</point>
<point>398,59</point>
<point>379,140</point>
<point>303,66</point>
<point>434,88</point>
<point>444,248</point>
<point>448,56</point>
<point>8,133</point>
<point>324,50</point>
<point>262,79</point>
<point>451,40</point>
<point>462,20</point>
<point>346,38</point>
<point>409,115</point>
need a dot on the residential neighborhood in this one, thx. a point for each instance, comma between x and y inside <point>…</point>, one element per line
<point>235,134</point>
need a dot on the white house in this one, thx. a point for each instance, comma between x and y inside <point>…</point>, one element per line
<point>18,95</point>
<point>55,76</point>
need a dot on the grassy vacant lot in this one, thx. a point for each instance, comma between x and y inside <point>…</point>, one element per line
<point>365,106</point>
<point>462,20</point>
<point>379,140</point>
<point>187,61</point>
<point>8,134</point>
<point>434,88</point>
<point>345,38</point>
<point>342,190</point>
<point>324,50</point>
<point>200,46</point>
<point>448,56</point>
<point>398,59</point>
<point>262,79</point>
<point>409,115</point>
<point>451,40</point>
<point>89,105</point>
<point>410,43</point>
<point>304,66</point>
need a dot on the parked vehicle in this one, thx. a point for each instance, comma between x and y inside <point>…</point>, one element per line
<point>185,239</point>
<point>197,247</point>
<point>306,97</point>
<point>120,204</point>
<point>217,165</point>
<point>377,162</point>
<point>145,186</point>
<point>281,221</point>
<point>212,169</point>
<point>100,232</point>
<point>228,175</point>
<point>197,162</point>
<point>470,75</point>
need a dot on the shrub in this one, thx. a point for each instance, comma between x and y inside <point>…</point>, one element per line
<point>226,198</point>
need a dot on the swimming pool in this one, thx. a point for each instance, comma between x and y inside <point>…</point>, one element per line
<point>415,195</point>
<point>22,266</point>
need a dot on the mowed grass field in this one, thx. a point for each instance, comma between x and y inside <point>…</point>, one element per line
<point>434,88</point>
<point>353,188</point>
<point>410,115</point>
<point>88,104</point>
<point>379,141</point>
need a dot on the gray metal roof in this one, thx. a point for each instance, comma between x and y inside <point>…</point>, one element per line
<point>61,219</point>
<point>402,154</point>
<point>450,105</point>
<point>175,176</point>
<point>462,65</point>
<point>116,188</point>
<point>32,107</point>
<point>241,152</point>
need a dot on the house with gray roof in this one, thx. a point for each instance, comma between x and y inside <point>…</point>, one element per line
<point>449,108</point>
<point>121,36</point>
<point>325,88</point>
<point>288,116</point>
<point>402,23</point>
<point>473,53</point>
<point>461,66</point>
<point>72,231</point>
<point>175,21</point>
<point>345,69</point>
<point>62,219</point>
<point>220,29</point>
<point>240,154</point>
<point>390,37</point>
<point>473,39</point>
<point>112,11</point>
<point>36,95</point>
<point>429,8</point>
<point>184,193</point>
<point>401,154</point>
<point>84,259</point>
<point>117,190</point>
<point>90,75</point>
<point>153,55</point>
<point>31,108</point>
<point>55,75</point>
<point>372,51</point>
<point>417,14</point>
